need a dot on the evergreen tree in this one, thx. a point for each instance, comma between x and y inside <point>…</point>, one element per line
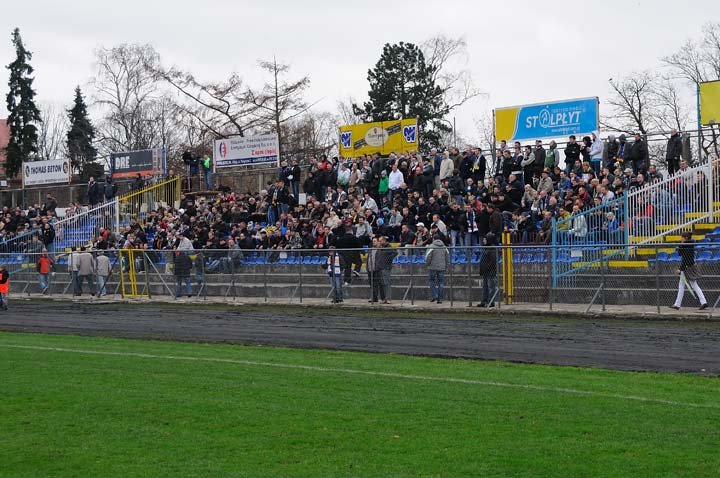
<point>24,114</point>
<point>80,136</point>
<point>402,85</point>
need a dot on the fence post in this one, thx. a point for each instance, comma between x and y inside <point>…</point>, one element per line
<point>452,280</point>
<point>551,272</point>
<point>265,268</point>
<point>412,276</point>
<point>657,279</point>
<point>301,279</point>
<point>602,278</point>
<point>469,277</point>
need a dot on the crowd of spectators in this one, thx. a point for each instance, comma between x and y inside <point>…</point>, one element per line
<point>410,198</point>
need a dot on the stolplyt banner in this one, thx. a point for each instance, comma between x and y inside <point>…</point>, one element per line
<point>547,120</point>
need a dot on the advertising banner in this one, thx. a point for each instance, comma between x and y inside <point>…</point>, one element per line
<point>547,120</point>
<point>710,102</point>
<point>382,137</point>
<point>36,173</point>
<point>247,151</point>
<point>147,162</point>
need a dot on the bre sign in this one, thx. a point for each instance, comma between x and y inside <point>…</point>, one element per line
<point>147,162</point>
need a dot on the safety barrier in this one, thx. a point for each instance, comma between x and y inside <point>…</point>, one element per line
<point>503,275</point>
<point>135,205</point>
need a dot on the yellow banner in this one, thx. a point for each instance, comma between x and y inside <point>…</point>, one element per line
<point>710,102</point>
<point>382,137</point>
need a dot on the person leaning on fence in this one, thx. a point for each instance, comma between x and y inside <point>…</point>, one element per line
<point>335,274</point>
<point>689,274</point>
<point>4,287</point>
<point>44,267</point>
<point>488,270</point>
<point>437,259</point>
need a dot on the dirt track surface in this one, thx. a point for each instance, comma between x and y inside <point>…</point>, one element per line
<point>652,345</point>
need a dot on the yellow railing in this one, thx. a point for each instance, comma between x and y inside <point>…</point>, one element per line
<point>130,261</point>
<point>136,205</point>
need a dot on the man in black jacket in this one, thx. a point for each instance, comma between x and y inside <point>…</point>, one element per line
<point>572,153</point>
<point>348,245</point>
<point>93,192</point>
<point>673,152</point>
<point>638,155</point>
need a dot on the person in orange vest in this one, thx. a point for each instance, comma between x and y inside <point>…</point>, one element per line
<point>44,268</point>
<point>4,287</point>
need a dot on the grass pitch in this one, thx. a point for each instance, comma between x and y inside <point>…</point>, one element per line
<point>75,406</point>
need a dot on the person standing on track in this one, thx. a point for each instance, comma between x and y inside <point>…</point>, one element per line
<point>44,267</point>
<point>374,270</point>
<point>689,274</point>
<point>104,269</point>
<point>385,259</point>
<point>4,287</point>
<point>334,272</point>
<point>437,259</point>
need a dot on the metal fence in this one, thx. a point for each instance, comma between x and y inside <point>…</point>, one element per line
<point>499,276</point>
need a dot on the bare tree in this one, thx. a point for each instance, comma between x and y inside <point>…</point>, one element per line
<point>279,101</point>
<point>51,132</point>
<point>311,133</point>
<point>124,89</point>
<point>632,101</point>
<point>670,110</point>
<point>697,62</point>
<point>347,114</point>
<point>223,108</point>
<point>442,53</point>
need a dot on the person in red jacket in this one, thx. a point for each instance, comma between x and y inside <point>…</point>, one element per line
<point>44,268</point>
<point>4,287</point>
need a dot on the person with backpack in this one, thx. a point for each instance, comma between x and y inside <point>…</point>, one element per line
<point>44,267</point>
<point>110,188</point>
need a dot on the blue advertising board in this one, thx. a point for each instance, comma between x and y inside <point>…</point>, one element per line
<point>547,120</point>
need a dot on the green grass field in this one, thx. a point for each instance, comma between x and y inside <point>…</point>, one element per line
<point>85,407</point>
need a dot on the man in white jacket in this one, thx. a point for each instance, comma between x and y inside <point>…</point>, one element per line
<point>446,167</point>
<point>596,152</point>
<point>395,179</point>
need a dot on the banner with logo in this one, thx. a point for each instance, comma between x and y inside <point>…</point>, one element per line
<point>710,102</point>
<point>382,137</point>
<point>36,173</point>
<point>237,151</point>
<point>547,120</point>
<point>147,162</point>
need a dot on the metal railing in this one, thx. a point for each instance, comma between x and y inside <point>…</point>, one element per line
<point>135,205</point>
<point>75,230</point>
<point>672,204</point>
<point>518,276</point>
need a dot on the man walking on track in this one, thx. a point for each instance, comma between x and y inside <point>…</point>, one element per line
<point>689,274</point>
<point>4,287</point>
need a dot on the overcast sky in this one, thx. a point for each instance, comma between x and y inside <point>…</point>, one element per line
<point>520,51</point>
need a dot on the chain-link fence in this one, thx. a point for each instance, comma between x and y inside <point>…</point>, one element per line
<point>540,277</point>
